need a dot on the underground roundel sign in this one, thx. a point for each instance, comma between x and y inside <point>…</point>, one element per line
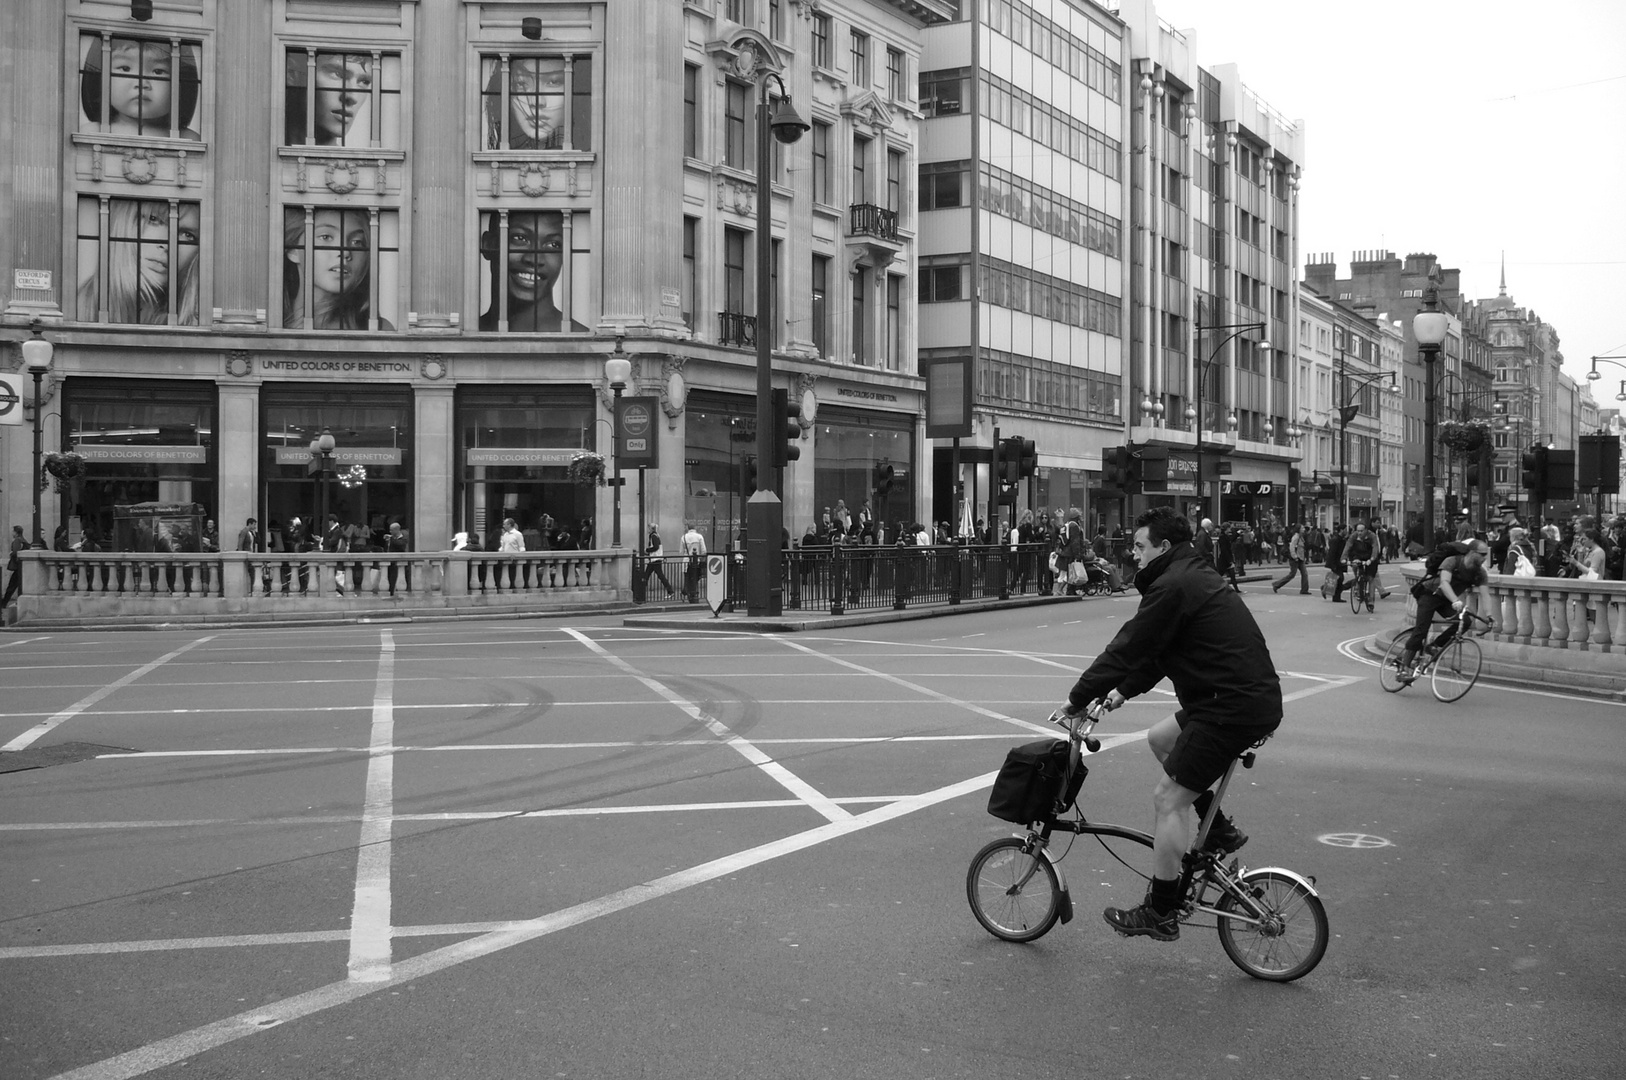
<point>11,399</point>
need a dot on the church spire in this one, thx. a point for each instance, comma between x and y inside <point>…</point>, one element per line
<point>1503,291</point>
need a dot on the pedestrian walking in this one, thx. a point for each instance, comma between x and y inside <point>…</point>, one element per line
<point>653,554</point>
<point>1295,563</point>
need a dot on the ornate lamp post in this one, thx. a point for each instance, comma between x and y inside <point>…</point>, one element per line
<point>1196,412</point>
<point>617,369</point>
<point>37,358</point>
<point>765,514</point>
<point>322,448</point>
<point>1429,327</point>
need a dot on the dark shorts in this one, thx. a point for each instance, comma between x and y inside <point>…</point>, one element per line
<point>1202,751</point>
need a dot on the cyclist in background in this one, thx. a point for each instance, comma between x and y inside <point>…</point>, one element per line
<point>1194,630</point>
<point>1446,589</point>
<point>1361,553</point>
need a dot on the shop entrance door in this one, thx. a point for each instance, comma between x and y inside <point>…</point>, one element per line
<point>371,505</point>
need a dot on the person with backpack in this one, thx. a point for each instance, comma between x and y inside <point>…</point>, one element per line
<point>1449,573</point>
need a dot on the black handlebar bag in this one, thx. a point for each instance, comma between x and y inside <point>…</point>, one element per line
<point>1029,783</point>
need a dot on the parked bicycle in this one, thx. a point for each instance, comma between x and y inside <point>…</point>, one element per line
<point>1451,661</point>
<point>1271,921</point>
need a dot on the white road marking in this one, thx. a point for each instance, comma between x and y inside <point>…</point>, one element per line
<point>22,641</point>
<point>26,739</point>
<point>370,914</point>
<point>168,1051</point>
<point>781,775</point>
<point>1353,650</point>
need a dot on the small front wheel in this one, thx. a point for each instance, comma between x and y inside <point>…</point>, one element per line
<point>1390,672</point>
<point>1357,595</point>
<point>1288,941</point>
<point>1457,668</point>
<point>1013,890</point>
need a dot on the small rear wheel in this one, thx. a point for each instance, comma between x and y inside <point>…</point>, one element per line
<point>1389,671</point>
<point>1457,668</point>
<point>1291,938</point>
<point>1013,891</point>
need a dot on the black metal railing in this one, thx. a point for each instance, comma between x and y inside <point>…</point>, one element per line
<point>858,577</point>
<point>735,328</point>
<point>867,219</point>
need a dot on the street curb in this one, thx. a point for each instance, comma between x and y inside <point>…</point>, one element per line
<point>796,624</point>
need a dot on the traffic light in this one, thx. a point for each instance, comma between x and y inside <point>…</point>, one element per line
<point>1533,473</point>
<point>885,477</point>
<point>1473,473</point>
<point>1010,453</point>
<point>1027,458</point>
<point>1560,474</point>
<point>748,476</point>
<point>1114,468</point>
<point>1134,470</point>
<point>786,430</point>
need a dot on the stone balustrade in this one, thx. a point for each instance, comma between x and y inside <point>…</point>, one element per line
<point>61,587</point>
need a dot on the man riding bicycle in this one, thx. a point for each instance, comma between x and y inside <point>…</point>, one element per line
<point>1446,589</point>
<point>1361,554</point>
<point>1194,630</point>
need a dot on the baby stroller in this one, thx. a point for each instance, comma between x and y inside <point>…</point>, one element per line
<point>1101,579</point>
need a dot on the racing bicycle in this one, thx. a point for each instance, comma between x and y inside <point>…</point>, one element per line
<point>1270,920</point>
<point>1451,661</point>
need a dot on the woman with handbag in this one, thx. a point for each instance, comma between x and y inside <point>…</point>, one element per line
<point>1521,554</point>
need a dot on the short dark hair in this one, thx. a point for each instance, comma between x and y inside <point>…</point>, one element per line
<point>1163,523</point>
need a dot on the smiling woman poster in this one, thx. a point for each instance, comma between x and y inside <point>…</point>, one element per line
<point>534,275</point>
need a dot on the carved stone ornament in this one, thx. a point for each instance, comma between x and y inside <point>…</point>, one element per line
<point>807,402</point>
<point>745,61</point>
<point>433,367</point>
<point>140,166</point>
<point>534,178</point>
<point>674,389</point>
<point>342,177</point>
<point>239,363</point>
<point>735,195</point>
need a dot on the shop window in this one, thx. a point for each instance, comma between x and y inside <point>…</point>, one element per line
<point>535,271</point>
<point>356,99</point>
<point>137,86</point>
<point>138,261</point>
<point>353,256</point>
<point>514,446</point>
<point>537,102</point>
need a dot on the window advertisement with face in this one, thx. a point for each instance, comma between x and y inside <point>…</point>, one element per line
<point>132,86</point>
<point>356,99</point>
<point>549,103</point>
<point>350,273</point>
<point>536,275</point>
<point>151,271</point>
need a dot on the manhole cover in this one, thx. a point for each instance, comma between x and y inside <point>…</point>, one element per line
<point>1353,840</point>
<point>43,757</point>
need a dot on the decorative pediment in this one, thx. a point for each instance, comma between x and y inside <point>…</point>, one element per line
<point>868,108</point>
<point>745,54</point>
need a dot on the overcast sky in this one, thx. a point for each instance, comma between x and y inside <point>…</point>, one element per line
<point>1465,128</point>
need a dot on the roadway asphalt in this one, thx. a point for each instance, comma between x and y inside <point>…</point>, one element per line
<point>570,848</point>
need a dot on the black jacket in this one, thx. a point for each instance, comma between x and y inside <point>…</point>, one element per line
<point>1192,629</point>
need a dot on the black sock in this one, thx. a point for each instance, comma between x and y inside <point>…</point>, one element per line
<point>1165,896</point>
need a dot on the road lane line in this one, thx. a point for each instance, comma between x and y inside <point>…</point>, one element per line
<point>22,641</point>
<point>370,915</point>
<point>26,739</point>
<point>781,775</point>
<point>168,1051</point>
<point>1354,649</point>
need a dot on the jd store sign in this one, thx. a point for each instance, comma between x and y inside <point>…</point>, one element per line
<point>1248,487</point>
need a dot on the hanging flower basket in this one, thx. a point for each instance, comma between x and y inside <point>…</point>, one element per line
<point>586,469</point>
<point>65,466</point>
<point>1463,438</point>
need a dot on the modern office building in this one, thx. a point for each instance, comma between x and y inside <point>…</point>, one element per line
<point>1098,214</point>
<point>423,226</point>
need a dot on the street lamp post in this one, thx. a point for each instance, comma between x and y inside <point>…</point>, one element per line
<point>1429,327</point>
<point>37,357</point>
<point>764,514</point>
<point>1196,412</point>
<point>322,448</point>
<point>617,369</point>
<point>1347,412</point>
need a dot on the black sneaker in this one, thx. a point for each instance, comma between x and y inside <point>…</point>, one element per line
<point>1224,837</point>
<point>1143,921</point>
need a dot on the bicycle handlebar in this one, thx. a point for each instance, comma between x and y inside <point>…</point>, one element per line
<point>1079,725</point>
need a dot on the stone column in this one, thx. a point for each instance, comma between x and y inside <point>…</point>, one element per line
<point>237,452</point>
<point>432,469</point>
<point>31,178</point>
<point>438,167</point>
<point>241,163</point>
<point>642,168</point>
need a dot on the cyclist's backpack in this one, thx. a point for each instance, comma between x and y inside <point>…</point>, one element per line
<point>1030,780</point>
<point>1431,566</point>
